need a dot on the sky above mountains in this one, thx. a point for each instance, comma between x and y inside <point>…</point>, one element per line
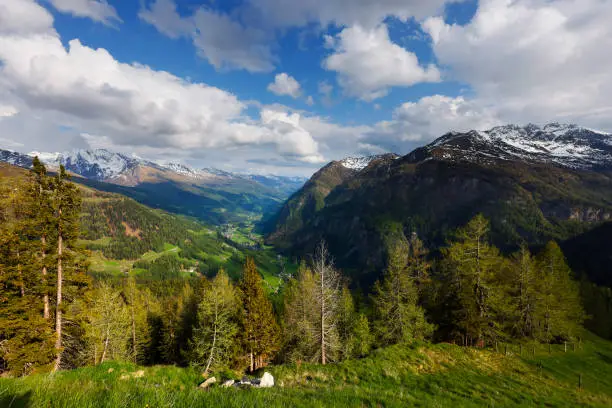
<point>283,86</point>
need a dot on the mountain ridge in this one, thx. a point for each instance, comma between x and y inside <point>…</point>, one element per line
<point>211,195</point>
<point>530,196</point>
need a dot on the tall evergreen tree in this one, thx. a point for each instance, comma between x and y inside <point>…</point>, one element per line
<point>67,206</point>
<point>25,337</point>
<point>261,332</point>
<point>41,225</point>
<point>399,318</point>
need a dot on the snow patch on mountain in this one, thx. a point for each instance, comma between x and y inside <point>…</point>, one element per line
<point>359,163</point>
<point>15,158</point>
<point>566,145</point>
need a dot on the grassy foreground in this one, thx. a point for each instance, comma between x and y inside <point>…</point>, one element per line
<point>440,375</point>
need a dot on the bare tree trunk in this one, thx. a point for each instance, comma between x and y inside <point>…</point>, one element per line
<point>323,357</point>
<point>252,362</point>
<point>58,311</point>
<point>105,344</point>
<point>214,343</point>
<point>43,241</point>
<point>21,283</point>
<point>133,327</point>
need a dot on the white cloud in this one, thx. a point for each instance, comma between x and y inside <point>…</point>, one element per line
<point>310,100</point>
<point>18,17</point>
<point>417,123</point>
<point>88,91</point>
<point>297,141</point>
<point>285,85</point>
<point>6,111</point>
<point>368,63</point>
<point>97,10</point>
<point>283,13</point>
<point>162,15</point>
<point>535,60</point>
<point>224,42</point>
<point>227,43</point>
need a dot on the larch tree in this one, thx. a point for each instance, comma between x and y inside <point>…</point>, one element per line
<point>399,318</point>
<point>475,265</point>
<point>260,330</point>
<point>560,310</point>
<point>524,294</point>
<point>327,299</point>
<point>108,325</point>
<point>299,317</point>
<point>214,338</point>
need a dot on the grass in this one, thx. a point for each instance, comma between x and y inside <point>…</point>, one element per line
<point>441,375</point>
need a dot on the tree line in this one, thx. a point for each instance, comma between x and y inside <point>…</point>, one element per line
<point>54,316</point>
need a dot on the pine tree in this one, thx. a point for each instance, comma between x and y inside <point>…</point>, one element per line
<point>214,338</point>
<point>398,315</point>
<point>560,310</point>
<point>40,225</point>
<point>260,330</point>
<point>25,337</point>
<point>179,315</point>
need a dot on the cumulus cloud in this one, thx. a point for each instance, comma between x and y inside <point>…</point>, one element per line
<point>162,14</point>
<point>23,17</point>
<point>283,13</point>
<point>131,104</point>
<point>368,63</point>
<point>417,123</point>
<point>224,42</point>
<point>97,10</point>
<point>536,60</point>
<point>285,84</point>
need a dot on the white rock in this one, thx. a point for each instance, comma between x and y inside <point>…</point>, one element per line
<point>208,382</point>
<point>228,383</point>
<point>267,380</point>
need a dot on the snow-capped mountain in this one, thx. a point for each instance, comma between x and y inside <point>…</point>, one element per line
<point>15,158</point>
<point>117,168</point>
<point>97,164</point>
<point>566,145</point>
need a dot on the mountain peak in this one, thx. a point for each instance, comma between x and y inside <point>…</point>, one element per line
<point>567,145</point>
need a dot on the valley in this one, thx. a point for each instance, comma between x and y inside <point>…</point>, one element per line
<point>353,283</point>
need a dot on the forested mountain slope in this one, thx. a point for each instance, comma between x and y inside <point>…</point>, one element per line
<point>535,184</point>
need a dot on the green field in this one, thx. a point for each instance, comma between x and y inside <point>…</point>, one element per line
<point>441,375</point>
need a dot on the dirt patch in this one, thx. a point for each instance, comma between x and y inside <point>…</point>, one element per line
<point>130,232</point>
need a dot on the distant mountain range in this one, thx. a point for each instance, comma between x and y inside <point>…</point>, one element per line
<point>213,195</point>
<point>534,183</point>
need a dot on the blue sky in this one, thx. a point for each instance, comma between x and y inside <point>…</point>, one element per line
<point>277,86</point>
